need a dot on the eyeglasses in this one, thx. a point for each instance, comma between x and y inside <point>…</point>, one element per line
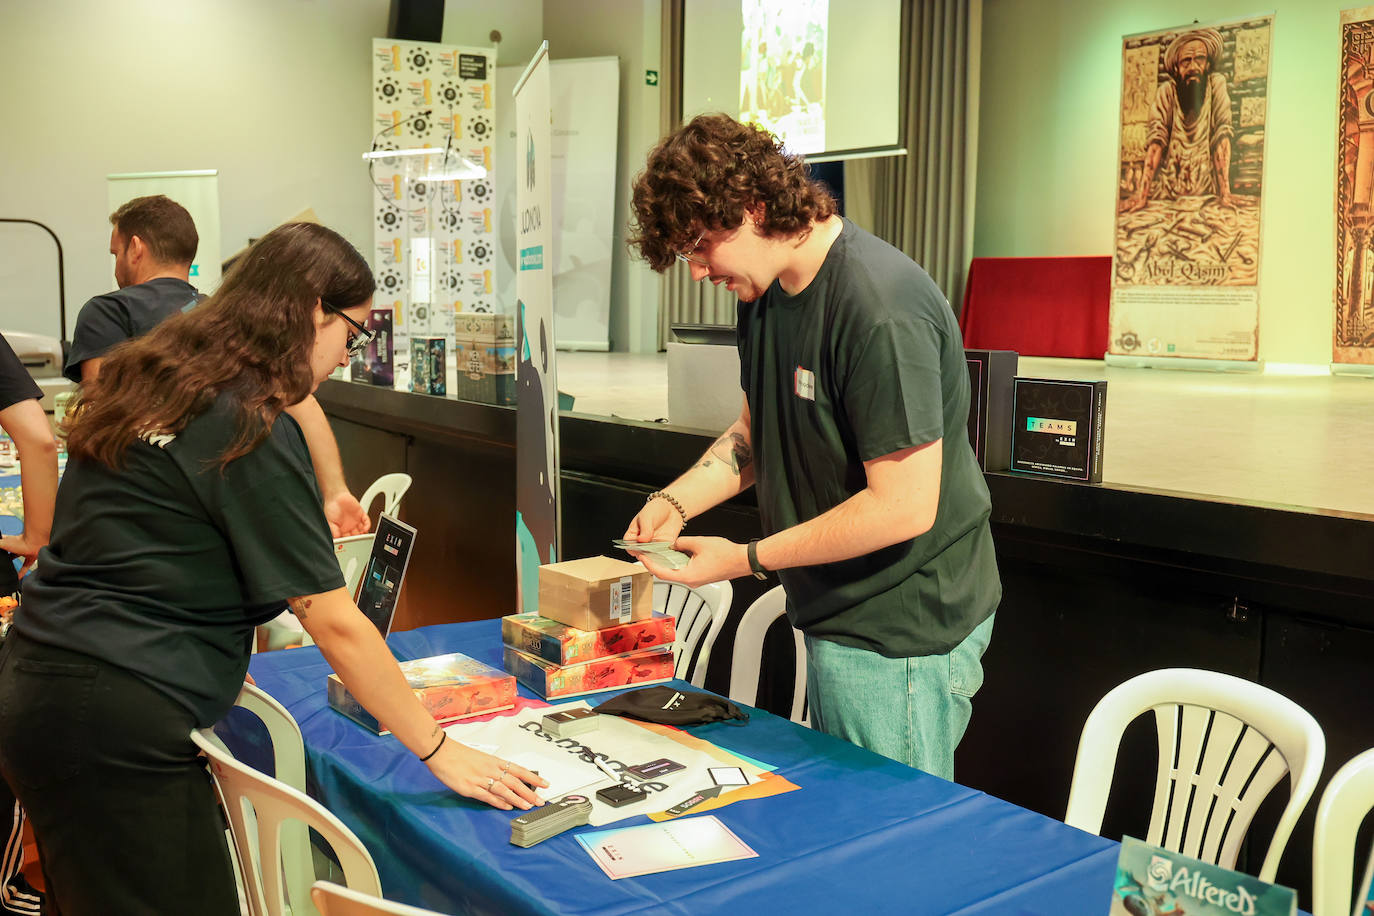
<point>689,257</point>
<point>358,342</point>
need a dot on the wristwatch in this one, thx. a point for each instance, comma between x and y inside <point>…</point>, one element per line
<point>753,551</point>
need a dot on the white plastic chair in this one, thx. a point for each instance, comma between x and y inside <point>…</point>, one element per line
<point>744,665</point>
<point>1348,798</point>
<point>700,614</point>
<point>333,900</point>
<point>391,486</point>
<point>275,804</point>
<point>1224,743</point>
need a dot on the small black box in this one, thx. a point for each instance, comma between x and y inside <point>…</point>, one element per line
<point>1058,427</point>
<point>621,794</point>
<point>990,373</point>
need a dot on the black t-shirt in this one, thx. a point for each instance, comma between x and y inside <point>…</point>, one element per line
<point>864,362</point>
<point>165,566</point>
<point>15,382</point>
<point>123,315</point>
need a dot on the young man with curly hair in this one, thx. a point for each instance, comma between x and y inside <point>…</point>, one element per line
<point>853,433</point>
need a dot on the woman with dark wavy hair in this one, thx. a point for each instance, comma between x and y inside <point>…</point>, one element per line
<point>189,514</point>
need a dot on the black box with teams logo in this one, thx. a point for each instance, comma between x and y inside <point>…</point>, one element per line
<point>1057,427</point>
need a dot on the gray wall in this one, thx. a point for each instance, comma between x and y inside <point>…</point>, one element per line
<point>273,93</point>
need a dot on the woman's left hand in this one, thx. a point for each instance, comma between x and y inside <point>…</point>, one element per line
<point>489,779</point>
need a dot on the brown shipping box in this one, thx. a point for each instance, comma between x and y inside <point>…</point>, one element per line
<point>595,592</point>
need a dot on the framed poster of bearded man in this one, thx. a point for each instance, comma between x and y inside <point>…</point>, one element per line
<point>1186,262</point>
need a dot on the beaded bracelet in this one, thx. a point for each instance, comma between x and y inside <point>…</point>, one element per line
<point>672,502</point>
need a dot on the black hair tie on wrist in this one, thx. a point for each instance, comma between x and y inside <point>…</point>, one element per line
<point>443,736</point>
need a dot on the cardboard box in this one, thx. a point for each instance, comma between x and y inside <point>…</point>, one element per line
<point>595,592</point>
<point>550,681</point>
<point>484,350</point>
<point>451,687</point>
<point>561,644</point>
<point>1057,428</point>
<point>990,375</point>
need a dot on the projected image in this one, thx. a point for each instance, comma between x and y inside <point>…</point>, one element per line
<point>782,70</point>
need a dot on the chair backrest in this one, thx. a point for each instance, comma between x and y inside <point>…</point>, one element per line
<point>1348,798</point>
<point>1224,743</point>
<point>700,614</point>
<point>288,766</point>
<point>259,845</point>
<point>352,553</point>
<point>333,900</point>
<point>748,655</point>
<point>391,486</point>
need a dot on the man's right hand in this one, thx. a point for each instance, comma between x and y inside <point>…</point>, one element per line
<point>657,521</point>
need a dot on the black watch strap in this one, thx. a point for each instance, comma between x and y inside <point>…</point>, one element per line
<point>753,551</point>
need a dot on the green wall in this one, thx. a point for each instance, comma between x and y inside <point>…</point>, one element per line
<point>1047,151</point>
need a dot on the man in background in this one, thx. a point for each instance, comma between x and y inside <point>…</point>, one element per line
<point>154,241</point>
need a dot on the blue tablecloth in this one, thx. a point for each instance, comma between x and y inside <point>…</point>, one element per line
<point>864,833</point>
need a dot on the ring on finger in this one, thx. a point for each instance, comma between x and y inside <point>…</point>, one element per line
<point>505,766</point>
<point>491,781</point>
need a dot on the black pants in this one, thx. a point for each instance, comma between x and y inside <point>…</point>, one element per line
<point>122,807</point>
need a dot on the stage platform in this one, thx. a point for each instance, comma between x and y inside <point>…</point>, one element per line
<point>1305,442</point>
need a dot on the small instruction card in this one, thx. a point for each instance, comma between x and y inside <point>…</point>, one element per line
<point>624,852</point>
<point>1154,880</point>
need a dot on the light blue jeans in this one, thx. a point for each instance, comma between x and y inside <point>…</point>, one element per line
<point>910,709</point>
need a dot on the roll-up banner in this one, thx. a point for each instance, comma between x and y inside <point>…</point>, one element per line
<point>536,372</point>
<point>1194,103</point>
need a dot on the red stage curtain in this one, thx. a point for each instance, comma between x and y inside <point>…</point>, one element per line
<point>1038,306</point>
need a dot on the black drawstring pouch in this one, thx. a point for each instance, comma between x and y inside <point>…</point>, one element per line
<point>668,706</point>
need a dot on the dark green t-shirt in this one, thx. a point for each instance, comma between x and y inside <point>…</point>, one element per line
<point>864,362</point>
<point>165,566</point>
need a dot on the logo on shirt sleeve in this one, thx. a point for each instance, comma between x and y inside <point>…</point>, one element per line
<point>804,383</point>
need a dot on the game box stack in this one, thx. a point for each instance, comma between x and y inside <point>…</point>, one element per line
<point>484,348</point>
<point>595,630</point>
<point>451,687</point>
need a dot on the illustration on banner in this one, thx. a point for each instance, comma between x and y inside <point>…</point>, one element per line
<point>1193,109</point>
<point>1354,321</point>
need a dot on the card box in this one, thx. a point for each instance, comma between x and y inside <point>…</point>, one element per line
<point>484,350</point>
<point>649,666</point>
<point>451,687</point>
<point>990,374</point>
<point>595,592</point>
<point>1057,428</point>
<point>428,374</point>
<point>1155,880</point>
<point>561,644</point>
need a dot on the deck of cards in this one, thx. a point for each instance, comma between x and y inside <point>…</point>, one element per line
<point>661,551</point>
<point>538,824</point>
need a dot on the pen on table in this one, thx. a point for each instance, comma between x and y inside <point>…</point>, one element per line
<point>605,769</point>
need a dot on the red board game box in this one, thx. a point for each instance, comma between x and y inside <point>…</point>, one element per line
<point>451,687</point>
<point>649,666</point>
<point>564,645</point>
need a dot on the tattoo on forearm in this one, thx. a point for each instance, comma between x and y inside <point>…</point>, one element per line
<point>299,606</point>
<point>733,449</point>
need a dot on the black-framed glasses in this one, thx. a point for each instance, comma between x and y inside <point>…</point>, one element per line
<point>690,256</point>
<point>358,342</point>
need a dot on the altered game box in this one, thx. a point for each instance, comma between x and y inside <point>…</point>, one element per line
<point>551,681</point>
<point>561,644</point>
<point>595,592</point>
<point>451,687</point>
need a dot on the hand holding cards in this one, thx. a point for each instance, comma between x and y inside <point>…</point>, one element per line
<point>661,551</point>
